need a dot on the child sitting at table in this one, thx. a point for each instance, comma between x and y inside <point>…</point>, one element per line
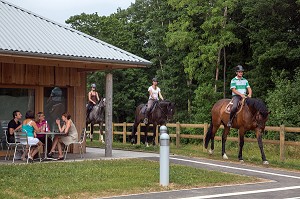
<point>69,136</point>
<point>42,124</point>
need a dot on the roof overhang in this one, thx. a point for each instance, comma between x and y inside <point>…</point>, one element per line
<point>81,63</point>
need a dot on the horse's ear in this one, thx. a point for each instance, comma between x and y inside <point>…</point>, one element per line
<point>269,112</point>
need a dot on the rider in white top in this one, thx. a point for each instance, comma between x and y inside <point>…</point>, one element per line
<point>154,94</point>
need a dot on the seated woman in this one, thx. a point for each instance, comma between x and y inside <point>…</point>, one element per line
<point>42,124</point>
<point>70,135</point>
<point>31,128</point>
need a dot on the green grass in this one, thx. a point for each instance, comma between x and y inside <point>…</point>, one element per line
<point>90,179</point>
<point>251,152</point>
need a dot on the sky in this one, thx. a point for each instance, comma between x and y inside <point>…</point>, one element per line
<point>61,10</point>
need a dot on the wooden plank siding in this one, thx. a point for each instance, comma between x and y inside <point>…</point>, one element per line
<point>17,75</point>
<point>26,74</point>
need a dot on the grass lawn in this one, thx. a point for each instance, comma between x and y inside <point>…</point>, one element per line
<point>89,179</point>
<point>251,152</point>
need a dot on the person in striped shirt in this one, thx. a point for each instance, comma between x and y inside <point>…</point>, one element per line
<point>239,87</point>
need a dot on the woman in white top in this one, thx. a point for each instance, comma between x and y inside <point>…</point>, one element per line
<point>154,95</point>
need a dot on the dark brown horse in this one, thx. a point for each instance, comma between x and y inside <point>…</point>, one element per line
<point>96,116</point>
<point>160,114</point>
<point>252,116</point>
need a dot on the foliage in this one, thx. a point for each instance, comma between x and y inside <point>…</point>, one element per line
<point>194,47</point>
<point>286,94</point>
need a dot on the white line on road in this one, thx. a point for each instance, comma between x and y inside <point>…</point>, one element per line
<point>244,193</point>
<point>235,168</point>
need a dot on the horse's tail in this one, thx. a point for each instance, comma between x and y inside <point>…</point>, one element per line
<point>208,134</point>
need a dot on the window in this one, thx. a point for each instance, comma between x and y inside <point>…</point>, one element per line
<point>55,105</point>
<point>12,99</point>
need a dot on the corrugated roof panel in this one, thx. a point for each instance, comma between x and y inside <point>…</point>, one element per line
<point>24,31</point>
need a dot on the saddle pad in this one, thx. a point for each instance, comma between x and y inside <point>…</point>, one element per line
<point>229,107</point>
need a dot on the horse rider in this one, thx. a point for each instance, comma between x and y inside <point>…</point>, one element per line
<point>154,95</point>
<point>239,87</point>
<point>93,97</point>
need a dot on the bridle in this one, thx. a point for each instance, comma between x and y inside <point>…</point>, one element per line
<point>164,113</point>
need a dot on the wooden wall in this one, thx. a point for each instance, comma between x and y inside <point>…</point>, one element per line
<point>25,74</point>
<point>39,76</point>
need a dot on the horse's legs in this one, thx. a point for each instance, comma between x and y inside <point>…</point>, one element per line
<point>224,139</point>
<point>154,134</point>
<point>241,145</point>
<point>213,133</point>
<point>261,147</point>
<point>101,132</point>
<point>92,131</point>
<point>134,128</point>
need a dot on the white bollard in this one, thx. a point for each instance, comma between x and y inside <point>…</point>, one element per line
<point>164,156</point>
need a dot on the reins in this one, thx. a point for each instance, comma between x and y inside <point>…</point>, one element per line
<point>163,111</point>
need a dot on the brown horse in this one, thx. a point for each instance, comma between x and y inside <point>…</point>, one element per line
<point>160,114</point>
<point>252,116</point>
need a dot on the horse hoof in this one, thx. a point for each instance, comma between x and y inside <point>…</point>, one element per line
<point>225,157</point>
<point>242,161</point>
<point>210,152</point>
<point>147,145</point>
<point>102,141</point>
<point>265,162</point>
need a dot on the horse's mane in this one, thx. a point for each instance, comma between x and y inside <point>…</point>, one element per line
<point>259,105</point>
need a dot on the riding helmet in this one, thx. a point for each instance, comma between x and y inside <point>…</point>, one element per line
<point>154,79</point>
<point>93,85</point>
<point>239,68</point>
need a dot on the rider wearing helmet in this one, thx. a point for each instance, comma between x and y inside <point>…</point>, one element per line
<point>93,97</point>
<point>239,87</point>
<point>154,94</point>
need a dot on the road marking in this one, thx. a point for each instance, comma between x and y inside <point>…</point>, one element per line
<point>293,198</point>
<point>235,168</point>
<point>243,193</point>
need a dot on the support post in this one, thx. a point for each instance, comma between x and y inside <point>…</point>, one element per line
<point>108,115</point>
<point>164,156</point>
<point>177,134</point>
<point>204,135</point>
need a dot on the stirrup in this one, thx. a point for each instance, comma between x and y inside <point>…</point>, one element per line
<point>146,121</point>
<point>229,124</point>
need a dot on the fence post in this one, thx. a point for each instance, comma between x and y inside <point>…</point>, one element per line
<point>282,139</point>
<point>124,132</point>
<point>138,135</point>
<point>177,134</point>
<point>204,135</point>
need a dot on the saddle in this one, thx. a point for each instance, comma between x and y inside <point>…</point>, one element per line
<point>144,108</point>
<point>230,104</point>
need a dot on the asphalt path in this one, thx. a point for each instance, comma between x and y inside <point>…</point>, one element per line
<point>278,184</point>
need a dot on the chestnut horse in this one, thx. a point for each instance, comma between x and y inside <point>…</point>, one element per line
<point>96,116</point>
<point>161,113</point>
<point>252,116</point>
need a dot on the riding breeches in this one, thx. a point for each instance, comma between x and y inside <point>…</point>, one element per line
<point>149,105</point>
<point>235,102</point>
<point>89,108</point>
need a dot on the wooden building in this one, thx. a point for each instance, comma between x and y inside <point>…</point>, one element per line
<point>43,67</point>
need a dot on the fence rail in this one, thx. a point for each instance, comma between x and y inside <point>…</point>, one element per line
<point>177,135</point>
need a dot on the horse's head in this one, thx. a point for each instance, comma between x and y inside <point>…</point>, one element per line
<point>168,109</point>
<point>102,102</point>
<point>259,111</point>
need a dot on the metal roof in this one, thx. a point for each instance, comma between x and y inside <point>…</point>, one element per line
<point>25,33</point>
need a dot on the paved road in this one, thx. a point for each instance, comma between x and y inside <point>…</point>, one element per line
<point>280,184</point>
